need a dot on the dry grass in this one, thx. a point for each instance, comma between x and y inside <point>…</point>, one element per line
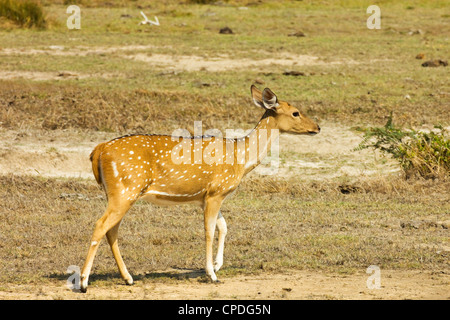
<point>139,111</point>
<point>50,107</point>
<point>25,13</point>
<point>274,225</point>
<point>374,73</point>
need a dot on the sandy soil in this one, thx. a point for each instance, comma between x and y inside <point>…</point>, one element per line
<point>66,154</point>
<point>45,76</point>
<point>167,61</point>
<point>223,63</point>
<point>292,285</point>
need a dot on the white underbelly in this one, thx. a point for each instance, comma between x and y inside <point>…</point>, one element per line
<point>165,199</point>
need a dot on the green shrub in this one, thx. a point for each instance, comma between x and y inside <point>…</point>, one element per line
<point>419,153</point>
<point>26,13</point>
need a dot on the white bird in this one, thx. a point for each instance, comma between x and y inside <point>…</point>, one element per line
<point>146,21</point>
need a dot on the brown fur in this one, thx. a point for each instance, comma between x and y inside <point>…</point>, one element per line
<point>94,157</point>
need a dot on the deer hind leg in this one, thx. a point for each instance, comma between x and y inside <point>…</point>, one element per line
<point>111,235</point>
<point>222,227</point>
<point>212,208</point>
<point>112,217</point>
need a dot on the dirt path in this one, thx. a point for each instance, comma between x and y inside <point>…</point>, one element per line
<point>189,63</point>
<point>292,285</point>
<point>65,153</point>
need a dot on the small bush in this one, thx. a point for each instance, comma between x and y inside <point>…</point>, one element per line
<point>26,13</point>
<point>419,153</point>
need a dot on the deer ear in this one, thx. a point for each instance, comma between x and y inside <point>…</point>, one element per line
<point>266,99</point>
<point>269,99</point>
<point>257,96</point>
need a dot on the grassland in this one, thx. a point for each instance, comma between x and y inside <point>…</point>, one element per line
<point>280,225</point>
<point>114,76</point>
<point>363,73</point>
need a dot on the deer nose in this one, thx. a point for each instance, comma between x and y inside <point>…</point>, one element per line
<point>318,128</point>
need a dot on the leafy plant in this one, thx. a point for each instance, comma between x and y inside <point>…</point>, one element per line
<point>26,13</point>
<point>425,154</point>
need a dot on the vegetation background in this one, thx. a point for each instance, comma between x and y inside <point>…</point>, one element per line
<point>333,209</point>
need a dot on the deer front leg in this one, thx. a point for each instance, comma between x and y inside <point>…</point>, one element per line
<point>222,227</point>
<point>212,208</point>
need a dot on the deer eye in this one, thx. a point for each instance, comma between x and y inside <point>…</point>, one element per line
<point>296,114</point>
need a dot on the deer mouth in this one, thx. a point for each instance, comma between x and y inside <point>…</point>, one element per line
<point>314,132</point>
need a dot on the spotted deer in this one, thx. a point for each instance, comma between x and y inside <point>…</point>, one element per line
<point>151,167</point>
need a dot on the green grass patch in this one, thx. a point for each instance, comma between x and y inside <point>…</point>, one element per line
<point>25,13</point>
<point>424,154</point>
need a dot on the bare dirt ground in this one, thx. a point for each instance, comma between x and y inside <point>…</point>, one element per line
<point>66,154</point>
<point>45,76</point>
<point>292,285</point>
<point>166,61</point>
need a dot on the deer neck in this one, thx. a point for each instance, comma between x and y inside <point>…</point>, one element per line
<point>259,141</point>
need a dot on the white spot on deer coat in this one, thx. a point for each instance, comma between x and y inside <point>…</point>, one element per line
<point>116,173</point>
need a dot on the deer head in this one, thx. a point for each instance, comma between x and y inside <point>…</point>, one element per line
<point>288,118</point>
